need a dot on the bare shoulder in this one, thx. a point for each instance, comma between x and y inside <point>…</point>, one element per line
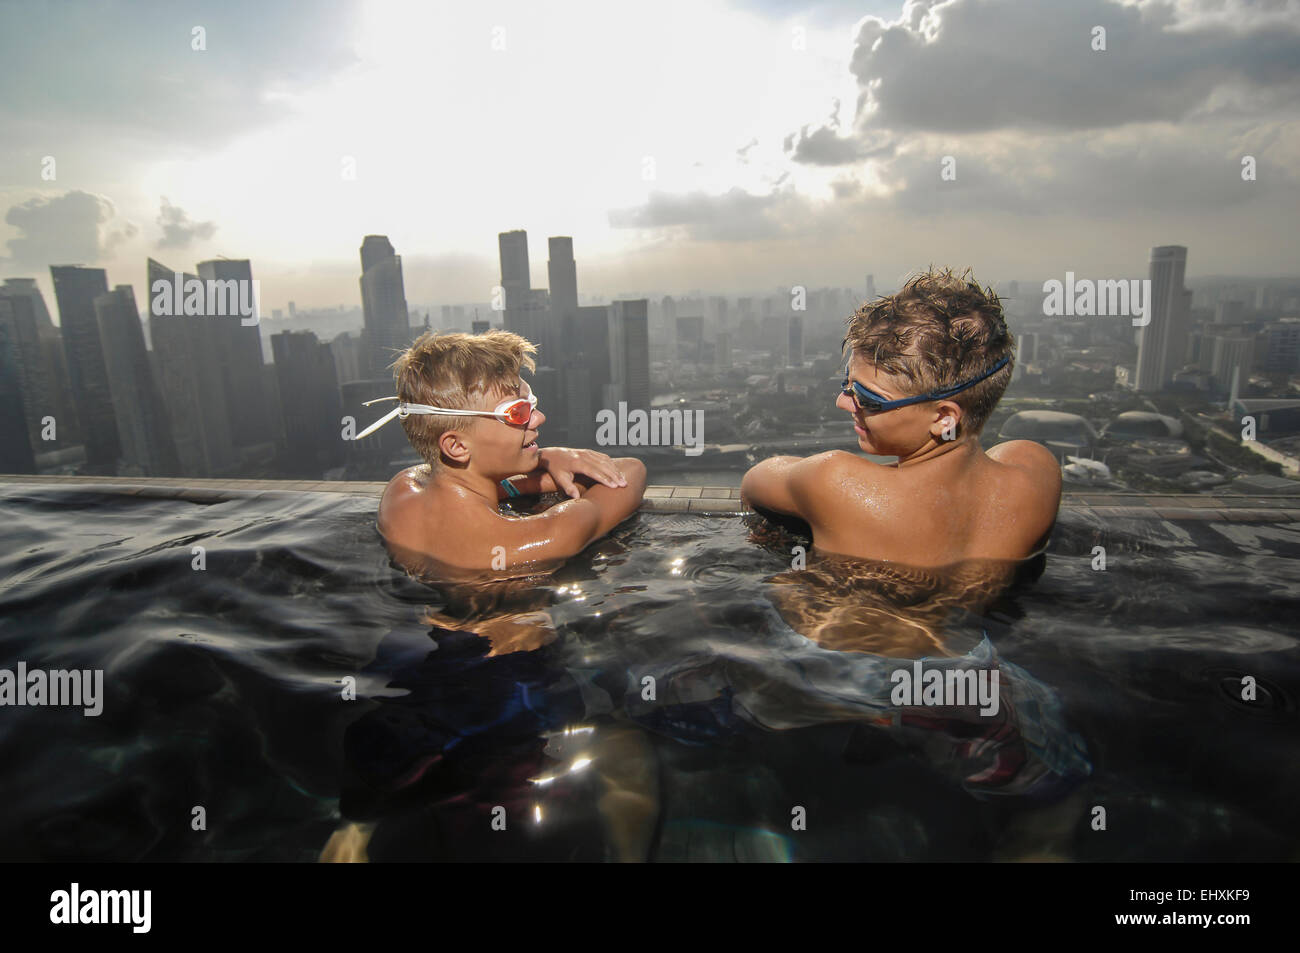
<point>822,481</point>
<point>1037,468</point>
<point>397,503</point>
<point>1026,455</point>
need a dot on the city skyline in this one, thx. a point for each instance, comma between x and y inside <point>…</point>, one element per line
<point>798,150</point>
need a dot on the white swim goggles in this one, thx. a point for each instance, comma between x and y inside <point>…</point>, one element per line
<point>517,411</point>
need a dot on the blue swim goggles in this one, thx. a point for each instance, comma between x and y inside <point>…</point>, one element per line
<point>872,402</point>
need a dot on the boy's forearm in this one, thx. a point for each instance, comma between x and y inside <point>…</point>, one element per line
<point>615,503</point>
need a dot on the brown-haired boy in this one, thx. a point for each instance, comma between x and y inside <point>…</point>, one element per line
<point>926,368</point>
<point>466,410</point>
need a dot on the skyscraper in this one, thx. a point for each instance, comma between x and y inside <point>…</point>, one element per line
<point>240,357</point>
<point>309,401</point>
<point>690,339</point>
<point>142,421</point>
<point>562,272</point>
<point>28,363</point>
<point>190,379</point>
<point>75,290</point>
<point>629,354</point>
<point>794,350</point>
<point>1162,342</point>
<point>383,304</point>
<point>16,453</point>
<point>515,279</point>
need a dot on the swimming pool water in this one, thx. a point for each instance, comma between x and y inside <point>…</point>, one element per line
<point>522,705</point>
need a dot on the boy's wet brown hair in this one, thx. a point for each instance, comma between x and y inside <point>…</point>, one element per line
<point>941,329</point>
<point>454,371</point>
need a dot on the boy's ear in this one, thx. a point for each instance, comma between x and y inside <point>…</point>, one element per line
<point>947,421</point>
<point>452,445</point>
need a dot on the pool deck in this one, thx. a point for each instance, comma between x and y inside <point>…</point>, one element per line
<point>712,500</point>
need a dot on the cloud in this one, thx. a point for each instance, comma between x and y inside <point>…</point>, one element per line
<point>66,229</point>
<point>127,71</point>
<point>178,230</point>
<point>963,66</point>
<point>736,215</point>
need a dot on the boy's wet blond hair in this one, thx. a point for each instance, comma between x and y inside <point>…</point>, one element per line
<point>940,330</point>
<point>454,371</point>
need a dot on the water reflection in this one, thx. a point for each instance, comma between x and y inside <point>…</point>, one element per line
<point>890,609</point>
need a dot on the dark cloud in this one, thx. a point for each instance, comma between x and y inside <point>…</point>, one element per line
<point>177,229</point>
<point>977,65</point>
<point>73,228</point>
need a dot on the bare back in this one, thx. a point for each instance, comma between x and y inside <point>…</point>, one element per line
<point>956,507</point>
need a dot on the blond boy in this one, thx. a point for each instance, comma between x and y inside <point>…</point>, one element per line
<point>476,423</point>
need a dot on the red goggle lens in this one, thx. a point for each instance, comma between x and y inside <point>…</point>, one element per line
<point>519,413</point>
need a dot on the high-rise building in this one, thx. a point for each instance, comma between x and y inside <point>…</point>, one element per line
<point>1229,312</point>
<point>871,287</point>
<point>346,350</point>
<point>16,440</point>
<point>722,351</point>
<point>142,421</point>
<point>1232,355</point>
<point>27,288</point>
<point>560,319</point>
<point>309,401</point>
<point>18,315</point>
<point>75,291</point>
<point>794,350</point>
<point>1281,347</point>
<point>1162,343</point>
<point>239,355</point>
<point>191,383</point>
<point>690,339</point>
<point>373,457</point>
<point>383,304</point>
<point>51,379</point>
<point>629,354</point>
<point>515,279</point>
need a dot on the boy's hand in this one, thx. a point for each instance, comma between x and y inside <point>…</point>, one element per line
<point>563,465</point>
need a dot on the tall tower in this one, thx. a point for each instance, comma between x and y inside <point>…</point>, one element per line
<point>629,354</point>
<point>515,279</point>
<point>517,284</point>
<point>309,401</point>
<point>142,421</point>
<point>562,272</point>
<point>383,305</point>
<point>1166,333</point>
<point>794,349</point>
<point>239,355</point>
<point>191,382</point>
<point>17,439</point>
<point>75,290</point>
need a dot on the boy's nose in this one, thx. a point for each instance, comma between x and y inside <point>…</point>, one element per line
<point>537,419</point>
<point>845,402</point>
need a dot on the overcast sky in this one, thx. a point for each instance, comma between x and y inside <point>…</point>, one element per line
<point>724,146</point>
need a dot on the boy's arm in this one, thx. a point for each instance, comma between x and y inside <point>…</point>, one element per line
<point>569,527</point>
<point>562,470</point>
<point>785,485</point>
